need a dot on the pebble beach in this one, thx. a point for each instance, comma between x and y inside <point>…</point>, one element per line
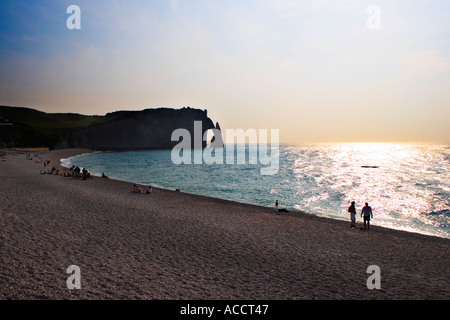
<point>177,246</point>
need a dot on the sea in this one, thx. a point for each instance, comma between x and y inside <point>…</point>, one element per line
<point>407,185</point>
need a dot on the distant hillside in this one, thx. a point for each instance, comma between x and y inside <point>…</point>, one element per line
<point>121,130</point>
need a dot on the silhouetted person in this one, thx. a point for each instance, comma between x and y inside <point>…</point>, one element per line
<point>352,211</point>
<point>367,212</point>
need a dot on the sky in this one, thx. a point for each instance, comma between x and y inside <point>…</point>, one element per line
<point>317,70</point>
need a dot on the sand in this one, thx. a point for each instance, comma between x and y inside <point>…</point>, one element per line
<point>173,245</point>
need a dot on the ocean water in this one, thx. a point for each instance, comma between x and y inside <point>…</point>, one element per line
<point>407,186</point>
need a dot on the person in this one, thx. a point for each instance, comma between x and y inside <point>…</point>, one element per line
<point>352,211</point>
<point>367,212</point>
<point>137,189</point>
<point>84,174</point>
<point>76,172</point>
<point>149,190</point>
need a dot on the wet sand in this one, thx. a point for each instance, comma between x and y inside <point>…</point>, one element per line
<point>173,245</point>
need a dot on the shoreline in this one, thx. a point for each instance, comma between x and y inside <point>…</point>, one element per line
<point>175,245</point>
<point>291,211</point>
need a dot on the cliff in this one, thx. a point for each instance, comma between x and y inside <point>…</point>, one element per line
<point>121,130</point>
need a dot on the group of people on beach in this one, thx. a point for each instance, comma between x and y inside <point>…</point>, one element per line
<point>37,159</point>
<point>53,171</point>
<point>36,156</point>
<point>138,189</point>
<point>366,212</point>
<point>77,172</point>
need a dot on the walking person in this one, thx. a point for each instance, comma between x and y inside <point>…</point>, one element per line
<point>367,212</point>
<point>352,211</point>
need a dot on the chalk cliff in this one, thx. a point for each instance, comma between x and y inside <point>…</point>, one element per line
<point>121,130</point>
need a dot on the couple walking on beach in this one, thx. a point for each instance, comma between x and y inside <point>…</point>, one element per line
<point>366,211</point>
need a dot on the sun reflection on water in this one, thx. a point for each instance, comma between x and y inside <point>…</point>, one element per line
<point>401,182</point>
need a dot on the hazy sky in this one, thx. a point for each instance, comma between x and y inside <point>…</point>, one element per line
<point>312,69</point>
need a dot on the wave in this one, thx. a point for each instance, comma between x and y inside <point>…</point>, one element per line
<point>445,213</point>
<point>439,219</point>
<point>68,162</point>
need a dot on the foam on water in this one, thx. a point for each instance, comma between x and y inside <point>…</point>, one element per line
<point>408,188</point>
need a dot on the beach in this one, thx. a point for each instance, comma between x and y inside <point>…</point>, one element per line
<point>173,245</point>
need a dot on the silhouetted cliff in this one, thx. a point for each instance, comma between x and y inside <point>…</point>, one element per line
<point>121,130</point>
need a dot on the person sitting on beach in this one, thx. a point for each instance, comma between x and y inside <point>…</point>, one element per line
<point>149,190</point>
<point>84,174</point>
<point>367,212</point>
<point>279,209</point>
<point>137,189</point>
<point>76,172</point>
<point>352,211</point>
